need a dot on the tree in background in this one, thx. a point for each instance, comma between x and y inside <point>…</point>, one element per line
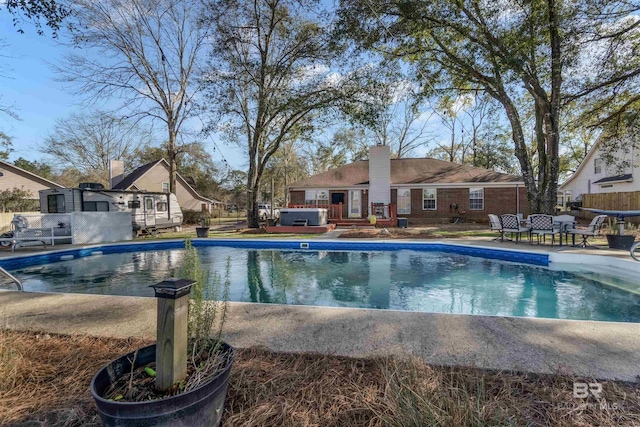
<point>49,12</point>
<point>506,49</point>
<point>17,200</point>
<point>86,143</point>
<point>145,53</point>
<point>345,145</point>
<point>393,111</point>
<point>193,162</point>
<point>45,170</point>
<point>269,74</point>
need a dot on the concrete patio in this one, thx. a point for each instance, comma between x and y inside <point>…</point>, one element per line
<point>603,350</point>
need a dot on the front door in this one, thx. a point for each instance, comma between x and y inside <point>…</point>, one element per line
<point>149,212</point>
<point>355,203</point>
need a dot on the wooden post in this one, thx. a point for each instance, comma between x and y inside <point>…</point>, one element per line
<point>171,342</point>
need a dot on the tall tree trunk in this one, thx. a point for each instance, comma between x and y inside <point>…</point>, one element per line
<point>253,187</point>
<point>172,154</point>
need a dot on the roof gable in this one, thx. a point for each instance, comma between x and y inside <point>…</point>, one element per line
<point>30,175</point>
<point>129,181</point>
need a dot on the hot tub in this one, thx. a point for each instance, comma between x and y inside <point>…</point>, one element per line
<point>313,216</point>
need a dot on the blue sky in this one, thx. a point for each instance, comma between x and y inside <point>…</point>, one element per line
<point>28,82</point>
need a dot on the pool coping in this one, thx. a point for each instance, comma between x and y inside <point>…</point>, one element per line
<point>602,350</point>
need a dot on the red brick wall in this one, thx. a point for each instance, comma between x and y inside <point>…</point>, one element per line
<point>496,201</point>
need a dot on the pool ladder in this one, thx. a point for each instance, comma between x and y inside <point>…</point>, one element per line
<point>12,278</point>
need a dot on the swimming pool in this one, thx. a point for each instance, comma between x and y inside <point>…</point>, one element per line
<point>424,278</point>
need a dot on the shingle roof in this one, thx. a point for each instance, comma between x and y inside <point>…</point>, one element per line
<point>406,171</point>
<point>625,177</point>
<point>130,179</point>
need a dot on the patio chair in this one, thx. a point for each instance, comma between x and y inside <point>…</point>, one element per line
<point>542,225</point>
<point>565,223</point>
<point>511,224</point>
<point>496,225</point>
<point>592,230</point>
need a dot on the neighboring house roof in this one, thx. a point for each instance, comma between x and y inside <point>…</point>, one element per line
<point>129,181</point>
<point>618,178</point>
<point>407,171</point>
<point>31,175</point>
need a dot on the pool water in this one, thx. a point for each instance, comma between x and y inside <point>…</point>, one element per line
<point>435,282</point>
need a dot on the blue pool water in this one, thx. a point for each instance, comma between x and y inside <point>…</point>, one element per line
<point>425,281</point>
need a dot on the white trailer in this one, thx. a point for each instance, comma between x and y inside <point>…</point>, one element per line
<point>149,211</point>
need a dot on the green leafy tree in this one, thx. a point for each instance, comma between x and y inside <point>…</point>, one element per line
<point>506,49</point>
<point>6,146</point>
<point>42,169</point>
<point>48,12</point>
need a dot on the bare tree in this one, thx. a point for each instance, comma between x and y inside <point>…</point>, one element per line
<point>144,53</point>
<point>87,143</point>
<point>270,73</point>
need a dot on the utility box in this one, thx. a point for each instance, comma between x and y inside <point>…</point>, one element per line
<point>403,222</point>
<point>313,216</point>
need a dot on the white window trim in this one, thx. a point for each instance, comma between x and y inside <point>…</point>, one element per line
<point>167,185</point>
<point>435,199</point>
<point>398,211</point>
<point>475,189</point>
<point>595,166</point>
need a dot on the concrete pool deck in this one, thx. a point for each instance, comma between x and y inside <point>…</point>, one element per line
<point>602,350</point>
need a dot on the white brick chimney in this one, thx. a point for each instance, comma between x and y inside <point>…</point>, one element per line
<point>380,174</point>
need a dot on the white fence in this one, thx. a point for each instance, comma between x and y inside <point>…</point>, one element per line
<point>76,228</point>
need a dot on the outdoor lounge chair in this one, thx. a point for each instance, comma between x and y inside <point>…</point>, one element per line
<point>542,225</point>
<point>496,225</point>
<point>511,224</point>
<point>592,230</point>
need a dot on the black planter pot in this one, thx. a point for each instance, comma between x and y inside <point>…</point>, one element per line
<point>202,231</point>
<point>620,242</point>
<point>200,407</point>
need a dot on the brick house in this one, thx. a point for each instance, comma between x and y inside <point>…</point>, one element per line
<point>422,190</point>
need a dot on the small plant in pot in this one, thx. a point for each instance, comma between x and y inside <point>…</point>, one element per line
<point>182,380</point>
<point>203,230</point>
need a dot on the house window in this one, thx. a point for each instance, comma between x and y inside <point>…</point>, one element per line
<point>204,207</point>
<point>95,207</point>
<point>597,166</point>
<point>316,197</point>
<point>165,187</point>
<point>55,203</point>
<point>404,201</point>
<point>476,199</point>
<point>429,196</point>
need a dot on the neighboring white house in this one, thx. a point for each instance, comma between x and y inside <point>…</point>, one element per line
<point>595,175</point>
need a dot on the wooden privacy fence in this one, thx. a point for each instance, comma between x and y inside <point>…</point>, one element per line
<point>612,201</point>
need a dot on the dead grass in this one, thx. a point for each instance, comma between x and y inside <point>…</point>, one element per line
<point>45,382</point>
